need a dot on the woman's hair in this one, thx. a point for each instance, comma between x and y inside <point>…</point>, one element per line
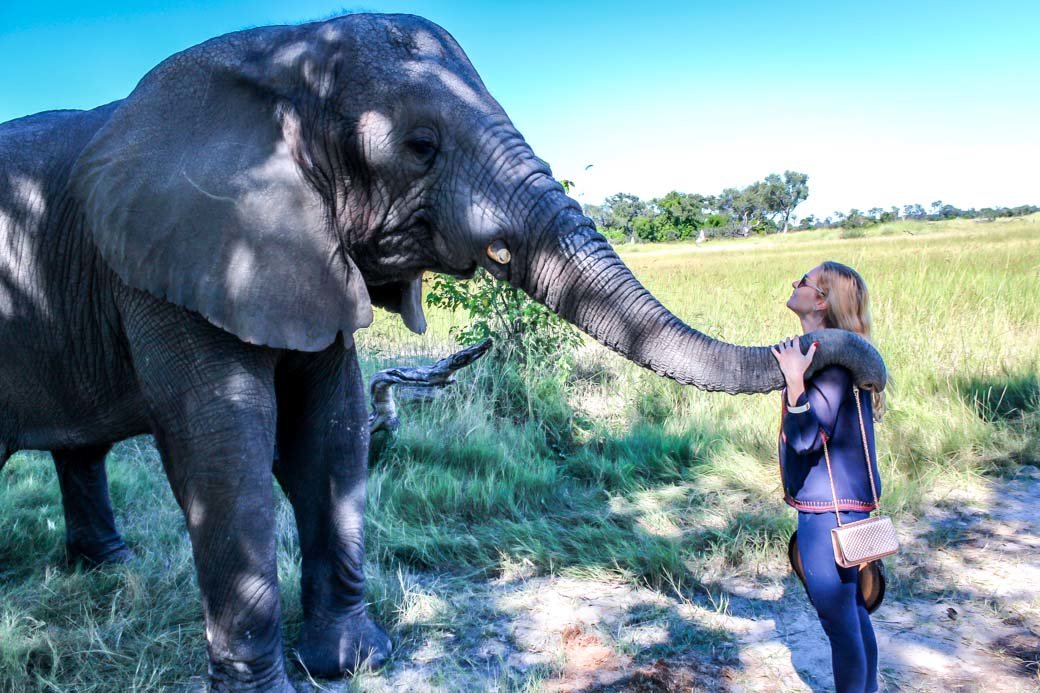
<point>848,308</point>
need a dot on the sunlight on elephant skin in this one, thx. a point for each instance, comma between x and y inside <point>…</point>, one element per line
<point>17,283</point>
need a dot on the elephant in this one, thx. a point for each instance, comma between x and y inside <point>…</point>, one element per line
<point>194,260</point>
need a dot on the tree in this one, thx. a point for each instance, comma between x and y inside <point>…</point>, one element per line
<point>876,213</point>
<point>914,211</point>
<point>622,209</point>
<point>600,216</point>
<point>646,230</point>
<point>744,207</point>
<point>781,196</point>
<point>855,219</point>
<point>681,214</point>
<point>714,225</point>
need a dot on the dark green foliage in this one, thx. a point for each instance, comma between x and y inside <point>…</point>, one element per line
<point>520,328</point>
<point>620,212</point>
<point>682,215</point>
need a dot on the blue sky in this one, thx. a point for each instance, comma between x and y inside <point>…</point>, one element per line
<point>881,103</point>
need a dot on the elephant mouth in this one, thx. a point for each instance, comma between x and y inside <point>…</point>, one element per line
<point>462,274</point>
<point>445,260</point>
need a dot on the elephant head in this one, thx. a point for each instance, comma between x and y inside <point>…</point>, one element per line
<point>281,180</point>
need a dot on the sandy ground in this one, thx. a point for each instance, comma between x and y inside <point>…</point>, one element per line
<point>962,614</point>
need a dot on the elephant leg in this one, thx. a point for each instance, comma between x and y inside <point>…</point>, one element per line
<point>90,528</point>
<point>322,466</point>
<point>211,399</point>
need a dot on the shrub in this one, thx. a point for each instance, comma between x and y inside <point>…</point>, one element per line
<point>521,329</point>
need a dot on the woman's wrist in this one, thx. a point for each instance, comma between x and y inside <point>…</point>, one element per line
<point>795,389</point>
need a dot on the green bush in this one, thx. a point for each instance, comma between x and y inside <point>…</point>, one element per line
<point>521,329</point>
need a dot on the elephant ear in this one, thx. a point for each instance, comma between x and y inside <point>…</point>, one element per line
<point>197,190</point>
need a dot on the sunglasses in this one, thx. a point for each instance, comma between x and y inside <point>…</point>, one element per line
<point>804,281</point>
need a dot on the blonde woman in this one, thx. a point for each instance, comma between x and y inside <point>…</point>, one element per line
<point>830,295</point>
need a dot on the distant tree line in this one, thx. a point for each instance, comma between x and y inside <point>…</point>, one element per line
<point>765,206</point>
<point>854,218</point>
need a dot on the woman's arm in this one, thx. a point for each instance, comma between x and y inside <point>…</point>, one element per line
<point>809,413</point>
<point>816,410</point>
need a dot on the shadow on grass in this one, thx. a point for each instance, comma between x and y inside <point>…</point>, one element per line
<point>127,627</point>
<point>628,504</point>
<point>460,498</point>
<point>29,539</point>
<point>642,507</point>
<point>1002,398</point>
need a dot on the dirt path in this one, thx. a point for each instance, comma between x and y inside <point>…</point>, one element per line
<point>963,614</point>
<point>966,616</point>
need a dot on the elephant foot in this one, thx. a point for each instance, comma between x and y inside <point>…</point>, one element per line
<point>330,650</point>
<point>231,678</point>
<point>95,556</point>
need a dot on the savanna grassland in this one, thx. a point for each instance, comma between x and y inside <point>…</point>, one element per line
<point>587,468</point>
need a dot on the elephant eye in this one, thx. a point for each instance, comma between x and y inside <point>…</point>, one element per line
<point>423,147</point>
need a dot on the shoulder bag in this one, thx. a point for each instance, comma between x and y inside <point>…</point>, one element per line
<point>867,540</point>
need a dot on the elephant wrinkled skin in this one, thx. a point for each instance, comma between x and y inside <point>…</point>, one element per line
<point>192,262</point>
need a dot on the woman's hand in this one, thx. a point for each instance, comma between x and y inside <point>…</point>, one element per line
<point>793,364</point>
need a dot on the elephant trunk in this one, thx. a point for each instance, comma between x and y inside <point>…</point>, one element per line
<point>576,274</point>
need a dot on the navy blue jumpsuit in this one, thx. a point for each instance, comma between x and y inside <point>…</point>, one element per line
<point>828,408</point>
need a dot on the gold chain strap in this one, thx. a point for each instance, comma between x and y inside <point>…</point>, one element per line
<point>866,450</point>
<point>866,455</point>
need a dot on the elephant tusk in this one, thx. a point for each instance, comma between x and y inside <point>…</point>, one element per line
<point>498,252</point>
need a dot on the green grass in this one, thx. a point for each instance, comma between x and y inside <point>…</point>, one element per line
<point>596,469</point>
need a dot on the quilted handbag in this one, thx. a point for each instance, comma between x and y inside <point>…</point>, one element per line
<point>866,540</point>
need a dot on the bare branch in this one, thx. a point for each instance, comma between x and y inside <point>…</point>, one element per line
<point>415,380</point>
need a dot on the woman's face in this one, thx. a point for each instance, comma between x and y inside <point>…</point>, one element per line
<point>806,297</point>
